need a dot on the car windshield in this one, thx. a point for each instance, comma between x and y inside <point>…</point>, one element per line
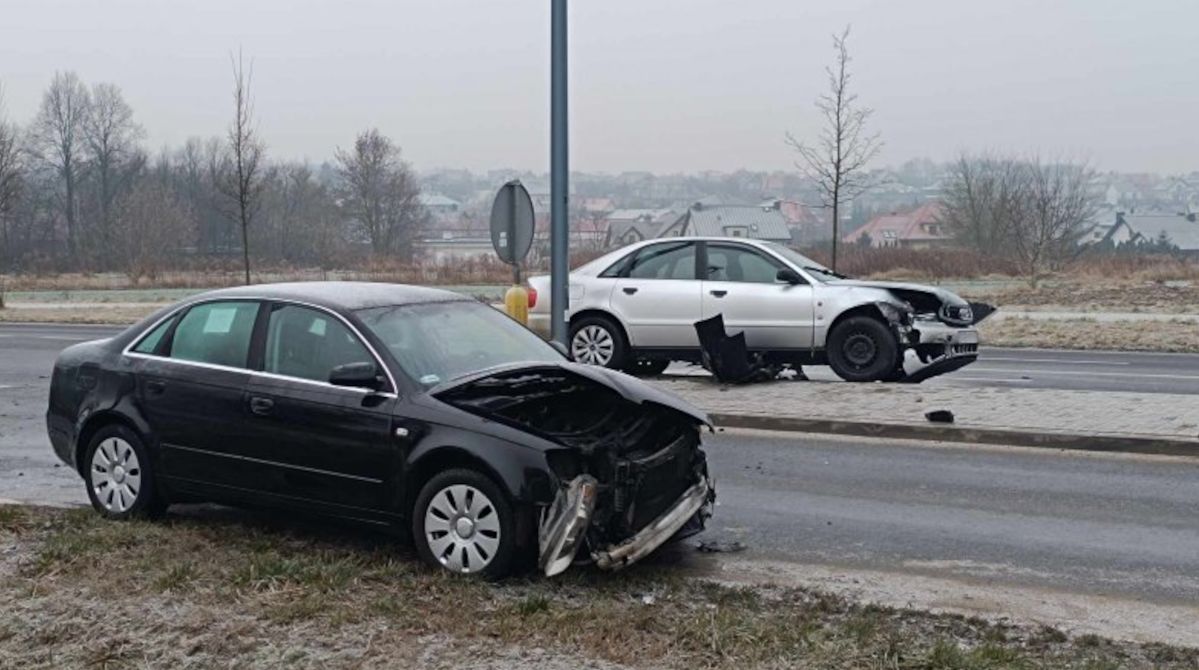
<point>792,256</point>
<point>436,342</point>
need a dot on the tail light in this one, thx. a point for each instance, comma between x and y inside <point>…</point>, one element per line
<point>532,297</point>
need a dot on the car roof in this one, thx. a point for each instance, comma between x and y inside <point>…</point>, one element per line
<point>344,295</point>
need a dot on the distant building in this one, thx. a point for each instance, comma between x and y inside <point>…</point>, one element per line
<point>751,221</point>
<point>440,206</point>
<point>626,226</point>
<point>1179,230</point>
<point>920,228</point>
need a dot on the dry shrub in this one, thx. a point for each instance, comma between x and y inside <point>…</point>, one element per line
<point>901,263</point>
<point>1136,267</point>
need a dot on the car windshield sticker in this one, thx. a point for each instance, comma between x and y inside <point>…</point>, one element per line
<point>429,380</point>
<point>220,320</point>
<point>317,328</point>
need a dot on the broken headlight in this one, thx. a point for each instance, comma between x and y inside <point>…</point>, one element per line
<point>565,523</point>
<point>957,314</point>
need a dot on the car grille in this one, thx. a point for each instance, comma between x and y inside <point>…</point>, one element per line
<point>963,348</point>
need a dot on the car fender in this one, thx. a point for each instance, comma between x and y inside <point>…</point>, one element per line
<point>834,301</point>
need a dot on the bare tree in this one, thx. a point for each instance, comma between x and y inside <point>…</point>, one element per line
<point>149,221</point>
<point>1031,212</point>
<point>11,178</point>
<point>380,193</point>
<point>836,161</point>
<point>1058,206</point>
<point>244,183</point>
<point>112,137</point>
<point>56,138</point>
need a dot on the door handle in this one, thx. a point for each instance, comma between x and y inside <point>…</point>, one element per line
<point>630,290</point>
<point>261,406</point>
<point>155,387</point>
<point>719,294</point>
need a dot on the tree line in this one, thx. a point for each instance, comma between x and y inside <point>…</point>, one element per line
<point>80,191</point>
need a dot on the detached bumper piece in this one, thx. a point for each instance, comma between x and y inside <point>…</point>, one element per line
<point>694,502</point>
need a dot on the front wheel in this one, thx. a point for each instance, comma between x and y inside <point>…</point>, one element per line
<point>464,523</point>
<point>119,475</point>
<point>862,349</point>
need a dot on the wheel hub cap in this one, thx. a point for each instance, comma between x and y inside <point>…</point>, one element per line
<point>116,475</point>
<point>462,528</point>
<point>593,345</point>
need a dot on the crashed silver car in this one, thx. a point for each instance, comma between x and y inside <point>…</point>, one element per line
<point>636,309</point>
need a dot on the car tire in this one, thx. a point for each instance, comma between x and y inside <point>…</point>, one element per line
<point>598,340</point>
<point>119,475</point>
<point>862,349</point>
<point>647,367</point>
<point>456,530</point>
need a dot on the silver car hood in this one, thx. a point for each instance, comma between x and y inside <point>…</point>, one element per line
<point>947,297</point>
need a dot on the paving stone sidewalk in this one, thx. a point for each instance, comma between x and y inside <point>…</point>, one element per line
<point>1050,411</point>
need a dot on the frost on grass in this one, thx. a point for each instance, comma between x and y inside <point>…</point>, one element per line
<point>219,588</point>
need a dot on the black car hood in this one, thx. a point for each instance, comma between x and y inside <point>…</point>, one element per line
<point>630,388</point>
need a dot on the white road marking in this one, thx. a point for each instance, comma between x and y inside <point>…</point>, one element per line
<point>1060,361</point>
<point>989,380</point>
<point>1133,375</point>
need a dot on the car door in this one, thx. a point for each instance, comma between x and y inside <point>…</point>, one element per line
<point>741,284</point>
<point>191,375</point>
<point>658,296</point>
<point>323,444</point>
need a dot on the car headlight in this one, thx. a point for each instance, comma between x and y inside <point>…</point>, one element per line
<point>957,313</point>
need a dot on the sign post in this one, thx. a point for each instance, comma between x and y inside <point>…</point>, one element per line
<point>559,176</point>
<point>512,237</point>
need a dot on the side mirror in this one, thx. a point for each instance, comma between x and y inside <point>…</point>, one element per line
<point>788,276</point>
<point>357,375</point>
<point>561,348</point>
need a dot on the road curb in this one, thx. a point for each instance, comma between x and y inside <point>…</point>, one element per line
<point>1133,444</point>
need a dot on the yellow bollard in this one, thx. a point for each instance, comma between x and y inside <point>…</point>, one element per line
<point>516,303</point>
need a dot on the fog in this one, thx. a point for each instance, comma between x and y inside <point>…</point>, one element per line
<point>667,85</point>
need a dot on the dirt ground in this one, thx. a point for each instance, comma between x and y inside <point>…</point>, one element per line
<point>218,588</point>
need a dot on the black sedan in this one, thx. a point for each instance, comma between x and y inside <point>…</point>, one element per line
<point>412,408</point>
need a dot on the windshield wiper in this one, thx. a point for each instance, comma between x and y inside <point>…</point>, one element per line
<point>825,271</point>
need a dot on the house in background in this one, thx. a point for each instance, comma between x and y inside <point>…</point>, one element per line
<point>753,221</point>
<point>440,206</point>
<point>626,226</point>
<point>920,228</point>
<point>1179,230</point>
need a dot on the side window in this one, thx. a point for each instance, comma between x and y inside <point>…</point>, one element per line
<point>664,261</point>
<point>216,332</point>
<point>308,343</point>
<point>739,264</point>
<point>614,269</point>
<point>150,342</point>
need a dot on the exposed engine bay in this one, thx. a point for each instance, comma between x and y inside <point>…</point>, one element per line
<point>631,471</point>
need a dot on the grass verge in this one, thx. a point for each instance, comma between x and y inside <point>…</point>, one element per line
<point>1162,336</point>
<point>219,588</point>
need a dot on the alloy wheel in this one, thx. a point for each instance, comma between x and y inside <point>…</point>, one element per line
<point>593,345</point>
<point>116,475</point>
<point>462,528</point>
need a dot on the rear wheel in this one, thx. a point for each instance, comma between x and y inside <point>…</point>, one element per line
<point>464,523</point>
<point>862,349</point>
<point>597,340</point>
<point>119,475</point>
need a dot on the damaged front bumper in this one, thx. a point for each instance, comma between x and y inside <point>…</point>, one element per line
<point>941,348</point>
<point>564,527</point>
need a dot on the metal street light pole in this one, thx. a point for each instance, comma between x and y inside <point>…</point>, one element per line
<point>559,176</point>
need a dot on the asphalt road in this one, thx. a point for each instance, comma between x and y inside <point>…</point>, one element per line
<point>1090,523</point>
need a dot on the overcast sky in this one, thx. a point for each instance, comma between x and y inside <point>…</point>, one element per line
<point>662,85</point>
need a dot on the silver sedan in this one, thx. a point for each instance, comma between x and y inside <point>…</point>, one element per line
<point>636,308</point>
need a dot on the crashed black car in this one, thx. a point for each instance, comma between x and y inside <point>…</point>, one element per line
<point>411,408</point>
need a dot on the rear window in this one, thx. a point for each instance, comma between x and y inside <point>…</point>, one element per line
<point>217,333</point>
